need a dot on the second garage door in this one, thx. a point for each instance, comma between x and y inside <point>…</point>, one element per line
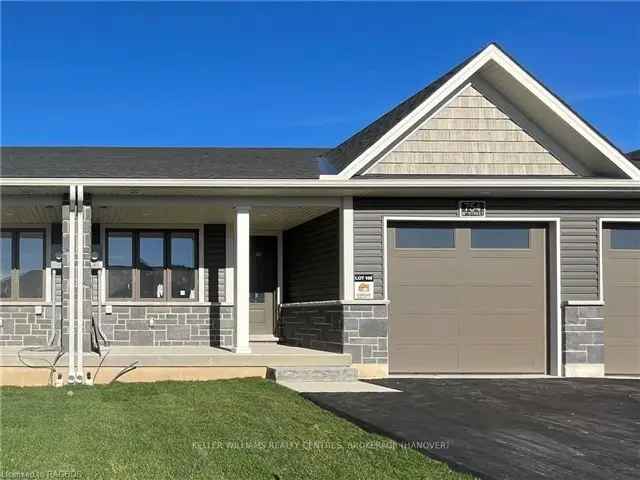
<point>467,298</point>
<point>621,259</point>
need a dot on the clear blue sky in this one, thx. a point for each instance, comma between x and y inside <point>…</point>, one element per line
<point>211,74</point>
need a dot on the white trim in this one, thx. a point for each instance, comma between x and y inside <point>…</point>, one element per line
<point>553,222</point>
<point>229,269</point>
<point>346,249</point>
<point>80,284</point>
<point>280,259</point>
<point>490,53</point>
<point>71,284</point>
<point>242,276</point>
<point>201,297</point>
<point>326,182</point>
<point>602,220</point>
<point>417,125</point>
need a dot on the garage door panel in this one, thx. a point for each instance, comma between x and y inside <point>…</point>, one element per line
<point>465,310</point>
<point>515,325</point>
<point>490,358</point>
<point>425,328</point>
<point>621,262</point>
<point>442,297</point>
<point>411,358</point>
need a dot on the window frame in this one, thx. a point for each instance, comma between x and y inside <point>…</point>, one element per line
<point>500,227</point>
<point>136,265</point>
<point>15,233</point>
<point>454,237</point>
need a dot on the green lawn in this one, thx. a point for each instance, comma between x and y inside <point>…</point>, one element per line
<point>226,429</point>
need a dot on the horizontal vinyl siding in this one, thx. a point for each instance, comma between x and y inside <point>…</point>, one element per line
<point>312,260</point>
<point>578,232</point>
<point>214,262</point>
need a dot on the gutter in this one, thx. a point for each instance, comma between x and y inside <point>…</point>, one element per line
<point>80,283</point>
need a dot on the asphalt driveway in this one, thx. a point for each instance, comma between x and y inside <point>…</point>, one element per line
<point>516,428</point>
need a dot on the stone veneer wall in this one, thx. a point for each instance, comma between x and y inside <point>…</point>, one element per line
<point>169,325</point>
<point>583,335</point>
<point>361,330</point>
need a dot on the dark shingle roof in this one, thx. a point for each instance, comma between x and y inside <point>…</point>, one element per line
<point>634,157</point>
<point>188,163</point>
<point>350,149</point>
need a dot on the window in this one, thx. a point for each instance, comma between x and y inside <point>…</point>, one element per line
<point>152,265</point>
<point>22,264</point>
<point>425,237</point>
<point>625,238</point>
<point>487,236</point>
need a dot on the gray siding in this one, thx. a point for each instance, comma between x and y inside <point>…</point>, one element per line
<point>312,260</point>
<point>578,236</point>
<point>214,262</point>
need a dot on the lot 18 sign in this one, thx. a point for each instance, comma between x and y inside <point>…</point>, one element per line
<point>363,286</point>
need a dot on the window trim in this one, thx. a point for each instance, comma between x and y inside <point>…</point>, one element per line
<point>47,293</point>
<point>166,230</point>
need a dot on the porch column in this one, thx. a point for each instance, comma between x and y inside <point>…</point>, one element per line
<point>346,249</point>
<point>241,297</point>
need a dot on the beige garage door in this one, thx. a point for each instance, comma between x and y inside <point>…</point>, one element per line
<point>621,261</point>
<point>467,298</point>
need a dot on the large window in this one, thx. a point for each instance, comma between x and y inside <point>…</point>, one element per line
<point>22,266</point>
<point>152,265</point>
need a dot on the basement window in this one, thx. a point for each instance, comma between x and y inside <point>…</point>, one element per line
<point>152,265</point>
<point>22,267</point>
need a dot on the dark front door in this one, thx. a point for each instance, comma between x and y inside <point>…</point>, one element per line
<point>262,288</point>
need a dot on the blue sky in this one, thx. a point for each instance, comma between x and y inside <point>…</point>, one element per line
<point>211,74</point>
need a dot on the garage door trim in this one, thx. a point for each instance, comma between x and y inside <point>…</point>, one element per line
<point>555,310</point>
<point>601,222</point>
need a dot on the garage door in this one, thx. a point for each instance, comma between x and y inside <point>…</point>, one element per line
<point>621,262</point>
<point>467,298</point>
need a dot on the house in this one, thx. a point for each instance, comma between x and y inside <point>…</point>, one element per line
<point>481,226</point>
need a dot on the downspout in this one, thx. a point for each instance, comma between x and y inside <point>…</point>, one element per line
<point>80,284</point>
<point>72,283</point>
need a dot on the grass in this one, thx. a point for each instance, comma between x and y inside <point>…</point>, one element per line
<point>226,429</point>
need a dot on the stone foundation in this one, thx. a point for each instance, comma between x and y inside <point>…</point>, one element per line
<point>169,325</point>
<point>583,341</point>
<point>360,330</point>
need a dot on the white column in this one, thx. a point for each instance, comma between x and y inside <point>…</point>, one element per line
<point>346,249</point>
<point>241,297</point>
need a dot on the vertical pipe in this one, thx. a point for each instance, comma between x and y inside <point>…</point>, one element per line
<point>53,308</point>
<point>80,285</point>
<point>72,284</point>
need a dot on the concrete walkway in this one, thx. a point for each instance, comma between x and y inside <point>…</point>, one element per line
<point>337,387</point>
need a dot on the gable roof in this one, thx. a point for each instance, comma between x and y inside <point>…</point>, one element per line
<point>354,146</point>
<point>187,163</point>
<point>361,149</point>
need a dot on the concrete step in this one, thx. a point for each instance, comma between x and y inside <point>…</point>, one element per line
<point>313,374</point>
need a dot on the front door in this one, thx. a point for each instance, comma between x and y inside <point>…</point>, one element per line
<point>263,282</point>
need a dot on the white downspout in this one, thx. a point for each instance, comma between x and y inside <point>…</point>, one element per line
<point>80,284</point>
<point>72,283</point>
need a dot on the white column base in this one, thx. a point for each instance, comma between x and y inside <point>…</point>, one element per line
<point>241,349</point>
<point>584,370</point>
